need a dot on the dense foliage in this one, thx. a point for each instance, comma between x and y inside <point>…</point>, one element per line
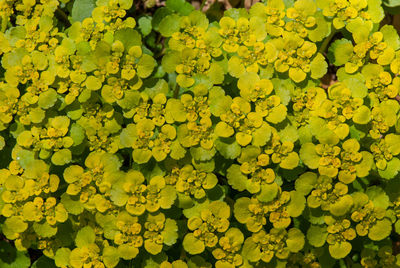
<point>173,139</point>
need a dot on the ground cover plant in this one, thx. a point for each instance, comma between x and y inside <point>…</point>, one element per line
<point>170,134</point>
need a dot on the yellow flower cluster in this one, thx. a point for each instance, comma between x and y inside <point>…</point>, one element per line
<point>179,140</point>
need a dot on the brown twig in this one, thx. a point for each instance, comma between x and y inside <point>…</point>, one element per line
<point>397,98</point>
<point>249,3</point>
<point>226,3</point>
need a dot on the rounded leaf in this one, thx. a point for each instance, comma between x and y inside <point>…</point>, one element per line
<point>62,157</point>
<point>380,230</point>
<point>362,115</point>
<point>193,245</point>
<point>309,156</point>
<point>85,237</point>
<point>340,250</point>
<point>295,241</point>
<point>316,235</point>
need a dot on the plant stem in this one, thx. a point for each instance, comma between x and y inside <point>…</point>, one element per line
<point>348,261</point>
<point>60,14</point>
<point>4,21</point>
<point>326,42</point>
<point>203,3</point>
<point>176,91</point>
<point>397,98</point>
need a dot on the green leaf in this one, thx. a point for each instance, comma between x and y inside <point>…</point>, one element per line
<point>391,3</point>
<point>305,183</point>
<point>77,134</point>
<point>392,141</point>
<point>180,6</point>
<point>236,178</point>
<point>365,165</point>
<point>160,13</point>
<point>241,209</point>
<point>82,9</point>
<point>397,226</point>
<point>93,83</point>
<point>145,25</point>
<point>153,261</point>
<point>277,114</point>
<point>228,148</point>
<point>357,87</point>
<point>169,25</point>
<point>316,235</point>
<point>341,206</point>
<point>251,250</point>
<point>110,256</point>
<point>45,229</point>
<point>340,51</point>
<point>8,253</point>
<point>235,67</point>
<point>127,252</point>
<point>85,237</point>
<point>177,151</point>
<point>14,224</point>
<point>309,156</point>
<point>145,66</point>
<point>360,29</point>
<point>318,66</point>
<point>161,87</point>
<point>44,262</point>
<point>296,204</point>
<point>284,89</point>
<point>340,250</point>
<point>380,230</point>
<point>322,29</point>
<point>74,207</point>
<point>390,35</point>
<point>392,169</point>
<point>37,115</point>
<point>375,10</point>
<point>219,103</point>
<point>170,232</point>
<point>194,208</point>
<point>193,245</point>
<point>291,161</point>
<point>289,133</point>
<point>216,73</point>
<point>47,99</point>
<point>268,192</point>
<point>167,197</point>
<point>128,37</point>
<point>236,13</point>
<point>295,241</point>
<point>107,222</point>
<point>362,115</point>
<point>378,196</point>
<point>170,61</point>
<point>61,157</point>
<point>25,139</point>
<point>222,129</point>
<point>15,259</point>
<point>297,74</point>
<point>200,154</point>
<point>206,166</point>
<point>124,4</point>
